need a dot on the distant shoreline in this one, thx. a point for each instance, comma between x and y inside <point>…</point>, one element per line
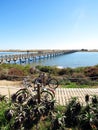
<point>34,50</point>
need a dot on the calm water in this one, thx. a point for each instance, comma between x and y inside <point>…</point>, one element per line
<point>10,53</point>
<point>78,59</point>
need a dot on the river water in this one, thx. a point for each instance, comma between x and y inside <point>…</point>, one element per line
<point>72,60</point>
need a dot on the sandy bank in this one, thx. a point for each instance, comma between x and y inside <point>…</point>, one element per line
<point>9,83</point>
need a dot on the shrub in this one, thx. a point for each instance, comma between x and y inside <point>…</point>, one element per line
<point>80,78</point>
<point>67,71</point>
<point>48,69</point>
<point>62,72</point>
<point>72,111</point>
<point>79,69</point>
<point>92,72</point>
<point>15,73</point>
<point>32,70</point>
<point>64,80</point>
<point>3,74</point>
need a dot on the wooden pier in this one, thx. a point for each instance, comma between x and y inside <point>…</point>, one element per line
<point>33,56</point>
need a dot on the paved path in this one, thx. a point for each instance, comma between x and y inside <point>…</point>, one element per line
<point>62,95</point>
<point>8,90</point>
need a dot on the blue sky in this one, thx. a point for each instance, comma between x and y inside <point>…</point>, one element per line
<point>48,24</point>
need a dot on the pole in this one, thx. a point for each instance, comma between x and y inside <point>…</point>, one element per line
<point>38,92</point>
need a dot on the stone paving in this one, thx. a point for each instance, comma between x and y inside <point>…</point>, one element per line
<point>62,95</point>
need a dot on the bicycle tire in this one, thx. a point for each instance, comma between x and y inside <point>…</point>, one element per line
<point>21,95</point>
<point>52,91</point>
<point>46,95</point>
<point>53,83</point>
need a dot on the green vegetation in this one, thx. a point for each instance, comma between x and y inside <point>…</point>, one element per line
<point>74,85</point>
<point>47,115</point>
<point>68,77</point>
<point>74,77</point>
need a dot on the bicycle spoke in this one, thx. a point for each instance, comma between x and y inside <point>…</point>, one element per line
<point>45,95</point>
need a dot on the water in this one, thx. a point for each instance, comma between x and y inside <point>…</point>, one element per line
<point>73,60</point>
<point>11,53</point>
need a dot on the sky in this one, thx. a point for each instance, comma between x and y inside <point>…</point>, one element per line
<point>48,24</point>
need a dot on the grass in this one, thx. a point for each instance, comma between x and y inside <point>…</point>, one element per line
<point>43,125</point>
<point>74,85</point>
<point>3,122</point>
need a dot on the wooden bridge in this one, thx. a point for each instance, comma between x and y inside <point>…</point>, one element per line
<point>33,56</point>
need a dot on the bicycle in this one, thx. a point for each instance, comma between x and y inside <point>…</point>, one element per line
<point>50,82</point>
<point>28,91</point>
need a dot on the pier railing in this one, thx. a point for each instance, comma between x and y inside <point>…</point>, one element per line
<point>31,56</point>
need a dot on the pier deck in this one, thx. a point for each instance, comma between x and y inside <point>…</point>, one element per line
<point>32,56</point>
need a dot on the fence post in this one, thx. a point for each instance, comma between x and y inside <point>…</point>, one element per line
<point>38,92</point>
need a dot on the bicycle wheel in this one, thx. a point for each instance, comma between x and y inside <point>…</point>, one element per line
<point>46,95</point>
<point>53,83</point>
<point>52,91</point>
<point>21,95</point>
